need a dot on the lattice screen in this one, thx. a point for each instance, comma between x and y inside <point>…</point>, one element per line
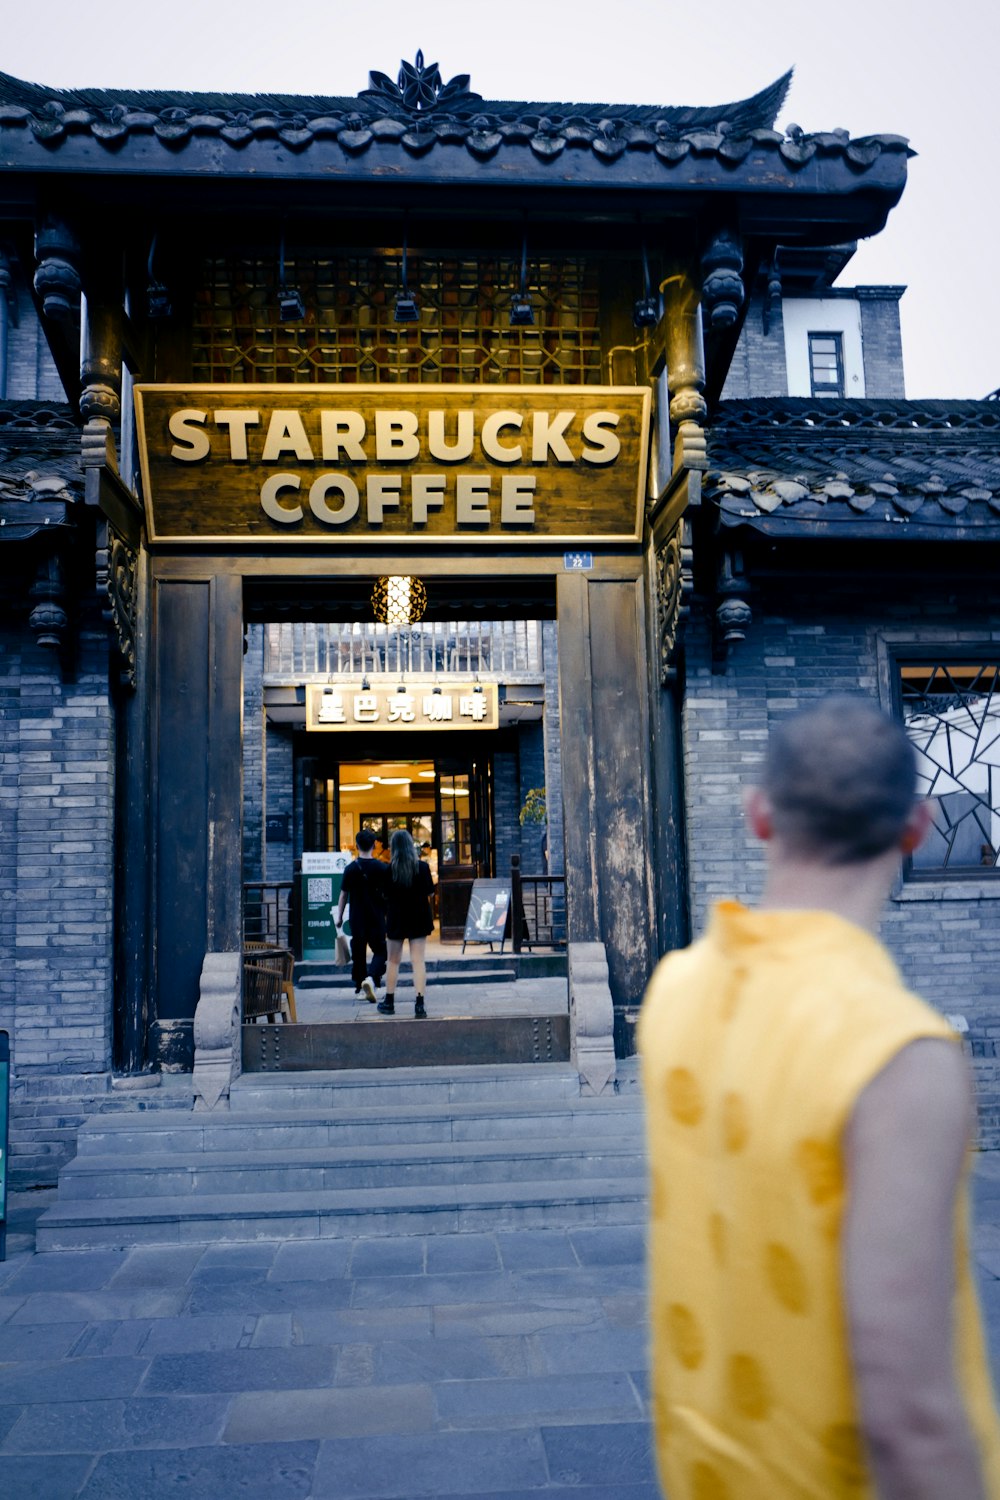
<point>349,335</point>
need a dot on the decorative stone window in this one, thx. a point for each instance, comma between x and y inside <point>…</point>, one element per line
<point>826,364</point>
<point>951,710</point>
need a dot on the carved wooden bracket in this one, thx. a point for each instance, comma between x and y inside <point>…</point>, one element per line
<point>49,619</point>
<point>117,583</point>
<point>722,290</point>
<point>733,615</point>
<point>673,586</point>
<point>57,274</point>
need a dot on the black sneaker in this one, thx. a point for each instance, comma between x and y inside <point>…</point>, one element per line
<point>419,1013</point>
<point>387,1007</point>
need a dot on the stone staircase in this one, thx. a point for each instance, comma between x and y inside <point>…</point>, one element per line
<point>469,968</point>
<point>323,1155</point>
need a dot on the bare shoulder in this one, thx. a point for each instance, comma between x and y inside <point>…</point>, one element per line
<point>918,1109</point>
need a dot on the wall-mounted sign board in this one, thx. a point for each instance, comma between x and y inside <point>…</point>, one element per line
<point>416,703</point>
<point>343,464</point>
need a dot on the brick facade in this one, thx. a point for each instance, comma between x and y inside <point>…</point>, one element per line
<point>944,934</point>
<point>56,860</point>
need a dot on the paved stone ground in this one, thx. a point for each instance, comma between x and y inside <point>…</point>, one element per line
<point>508,1365</point>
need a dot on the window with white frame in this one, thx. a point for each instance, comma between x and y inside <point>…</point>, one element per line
<point>951,712</point>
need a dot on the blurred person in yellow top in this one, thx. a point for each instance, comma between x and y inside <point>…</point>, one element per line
<point>815,1330</point>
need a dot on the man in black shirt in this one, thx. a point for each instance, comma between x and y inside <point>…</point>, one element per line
<point>365,885</point>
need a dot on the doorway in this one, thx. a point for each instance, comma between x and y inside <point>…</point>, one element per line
<point>445,801</point>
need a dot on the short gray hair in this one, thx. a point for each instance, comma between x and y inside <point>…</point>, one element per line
<point>842,781</point>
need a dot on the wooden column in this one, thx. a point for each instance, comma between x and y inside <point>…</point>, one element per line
<point>198,794</point>
<point>605,748</point>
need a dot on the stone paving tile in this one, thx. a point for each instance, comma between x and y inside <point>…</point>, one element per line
<point>256,1294</point>
<point>388,1257</point>
<point>447,1253</point>
<point>48,1476</point>
<point>8,1307</point>
<point>409,1291</point>
<point>69,1379</point>
<point>111,1337</point>
<point>95,1307</point>
<point>450,1359</point>
<point>599,1454</point>
<point>8,1416</point>
<point>157,1266</point>
<point>531,1315</point>
<point>34,1341</point>
<point>71,1271</point>
<point>428,1464</point>
<point>199,1335</point>
<point>536,1399</point>
<point>288,1416</point>
<point>576,1492</point>
<point>536,1249</point>
<point>588,1280</point>
<point>240,1370</point>
<point>604,1349</point>
<point>257,1471</point>
<point>104,1426</point>
<point>627,1310</point>
<point>610,1245</point>
<point>311,1260</point>
<point>355,1365</point>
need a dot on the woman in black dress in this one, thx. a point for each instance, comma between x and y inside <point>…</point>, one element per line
<point>408,917</point>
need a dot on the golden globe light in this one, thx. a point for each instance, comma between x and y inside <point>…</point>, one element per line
<point>399,600</point>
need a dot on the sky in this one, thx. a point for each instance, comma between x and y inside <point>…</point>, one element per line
<point>903,67</point>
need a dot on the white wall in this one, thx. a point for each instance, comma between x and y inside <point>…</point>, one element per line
<point>805,315</point>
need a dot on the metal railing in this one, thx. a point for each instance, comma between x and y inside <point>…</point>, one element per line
<point>538,909</point>
<point>502,649</point>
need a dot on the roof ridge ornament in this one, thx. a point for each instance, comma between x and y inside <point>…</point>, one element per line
<point>418,87</point>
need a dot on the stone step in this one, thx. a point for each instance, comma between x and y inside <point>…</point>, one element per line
<point>235,1131</point>
<point>441,1209</point>
<point>430,1087</point>
<point>325,1167</point>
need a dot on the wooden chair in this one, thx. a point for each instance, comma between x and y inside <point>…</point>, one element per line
<point>267,982</point>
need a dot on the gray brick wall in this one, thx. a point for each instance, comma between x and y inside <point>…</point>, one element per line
<point>758,367</point>
<point>882,341</point>
<point>31,371</point>
<point>56,854</point>
<point>948,944</point>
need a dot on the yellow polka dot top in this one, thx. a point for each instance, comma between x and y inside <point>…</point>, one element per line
<point>755,1044</point>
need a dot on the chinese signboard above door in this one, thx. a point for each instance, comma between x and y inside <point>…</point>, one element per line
<point>417,703</point>
<point>349,464</point>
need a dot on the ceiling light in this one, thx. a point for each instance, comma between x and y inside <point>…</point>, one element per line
<point>406,309</point>
<point>355,786</point>
<point>398,600</point>
<point>291,308</point>
<point>393,780</point>
<point>521,311</point>
<point>646,311</point>
<point>427,775</point>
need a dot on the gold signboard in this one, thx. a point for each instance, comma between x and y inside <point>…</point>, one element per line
<point>416,703</point>
<point>398,463</point>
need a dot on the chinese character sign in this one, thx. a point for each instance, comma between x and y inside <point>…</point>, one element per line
<point>416,703</point>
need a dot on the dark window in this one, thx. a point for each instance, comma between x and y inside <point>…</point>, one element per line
<point>951,711</point>
<point>826,364</point>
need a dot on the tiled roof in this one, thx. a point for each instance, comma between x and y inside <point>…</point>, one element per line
<point>40,475</point>
<point>444,114</point>
<point>889,468</point>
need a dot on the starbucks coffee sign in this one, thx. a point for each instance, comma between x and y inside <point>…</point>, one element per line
<point>363,464</point>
